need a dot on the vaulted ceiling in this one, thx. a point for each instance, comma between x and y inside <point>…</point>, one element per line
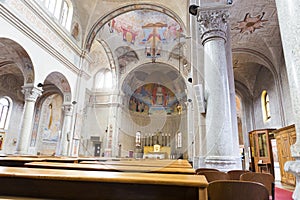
<point>255,35</point>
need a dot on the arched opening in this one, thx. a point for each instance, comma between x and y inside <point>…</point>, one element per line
<point>265,105</point>
<point>49,131</point>
<point>152,94</point>
<point>16,70</point>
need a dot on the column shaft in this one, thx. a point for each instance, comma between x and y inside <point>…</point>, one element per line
<point>66,131</point>
<point>31,94</point>
<point>222,147</point>
<point>289,23</point>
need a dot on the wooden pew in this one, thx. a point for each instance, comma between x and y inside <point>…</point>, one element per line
<point>17,161</point>
<point>61,159</point>
<point>142,163</point>
<point>76,184</point>
<point>119,168</point>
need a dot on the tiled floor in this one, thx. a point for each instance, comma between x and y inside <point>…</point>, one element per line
<point>278,179</point>
<point>284,186</point>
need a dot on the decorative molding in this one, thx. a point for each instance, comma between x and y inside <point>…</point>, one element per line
<point>31,93</point>
<point>213,24</point>
<point>19,24</point>
<point>250,24</point>
<point>38,11</point>
<point>68,109</point>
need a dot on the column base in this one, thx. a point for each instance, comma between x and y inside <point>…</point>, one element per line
<point>222,163</point>
<point>294,168</point>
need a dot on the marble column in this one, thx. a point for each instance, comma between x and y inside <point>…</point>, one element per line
<point>66,130</point>
<point>191,136</point>
<point>289,23</point>
<point>31,94</point>
<point>222,149</point>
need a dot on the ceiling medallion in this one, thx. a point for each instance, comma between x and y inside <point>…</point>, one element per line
<point>250,23</point>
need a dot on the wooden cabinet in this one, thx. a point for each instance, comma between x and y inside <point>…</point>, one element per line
<point>285,137</point>
<point>261,150</point>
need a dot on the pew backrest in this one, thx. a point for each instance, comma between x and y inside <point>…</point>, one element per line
<point>236,190</point>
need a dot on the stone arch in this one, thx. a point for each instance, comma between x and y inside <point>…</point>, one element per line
<point>109,16</point>
<point>144,92</point>
<point>49,120</point>
<point>102,73</point>
<point>56,81</point>
<point>13,53</point>
<point>172,74</point>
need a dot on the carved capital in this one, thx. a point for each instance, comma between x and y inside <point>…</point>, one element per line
<point>31,93</point>
<point>213,24</point>
<point>68,109</point>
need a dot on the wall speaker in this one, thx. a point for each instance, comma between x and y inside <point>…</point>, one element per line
<point>198,90</point>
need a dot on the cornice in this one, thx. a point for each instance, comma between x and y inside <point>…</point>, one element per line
<point>20,25</point>
<point>38,11</point>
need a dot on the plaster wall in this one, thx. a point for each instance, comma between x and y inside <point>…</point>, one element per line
<point>43,62</point>
<point>286,97</point>
<point>265,81</point>
<point>12,133</point>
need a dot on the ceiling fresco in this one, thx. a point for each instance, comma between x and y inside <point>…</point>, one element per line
<point>254,32</point>
<point>250,23</point>
<point>154,98</point>
<point>151,31</point>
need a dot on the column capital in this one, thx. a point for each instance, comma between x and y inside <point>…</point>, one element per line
<point>68,109</point>
<point>31,93</point>
<point>213,23</point>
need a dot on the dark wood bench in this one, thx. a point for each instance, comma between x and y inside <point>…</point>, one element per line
<point>118,168</point>
<point>75,184</point>
<point>150,163</point>
<point>17,161</point>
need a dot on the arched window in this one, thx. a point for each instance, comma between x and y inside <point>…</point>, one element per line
<point>5,108</point>
<point>103,80</point>
<point>138,139</point>
<point>179,140</point>
<point>265,102</point>
<point>62,10</point>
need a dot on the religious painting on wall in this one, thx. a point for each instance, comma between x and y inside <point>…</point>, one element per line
<point>150,30</point>
<point>50,124</point>
<point>35,127</point>
<point>153,98</point>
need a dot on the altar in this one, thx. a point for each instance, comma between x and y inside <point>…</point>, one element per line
<point>163,153</point>
<point>157,155</point>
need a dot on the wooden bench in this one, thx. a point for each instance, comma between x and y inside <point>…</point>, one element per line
<point>75,184</point>
<point>142,163</point>
<point>17,161</point>
<point>118,168</point>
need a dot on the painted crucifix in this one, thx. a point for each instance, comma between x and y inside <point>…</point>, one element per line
<point>154,34</point>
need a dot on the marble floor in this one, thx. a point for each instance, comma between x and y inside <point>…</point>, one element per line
<point>278,182</point>
<point>284,186</point>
